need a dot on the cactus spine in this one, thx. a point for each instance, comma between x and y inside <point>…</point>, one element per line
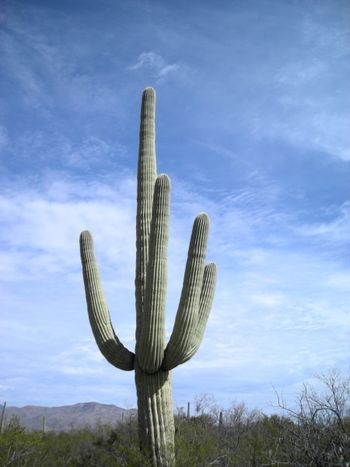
<point>153,360</point>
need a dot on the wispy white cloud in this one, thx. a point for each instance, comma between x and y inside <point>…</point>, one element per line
<point>156,65</point>
<point>82,359</point>
<point>48,74</point>
<point>294,90</point>
<point>307,123</point>
<point>31,86</point>
<point>334,230</point>
<point>54,149</point>
<point>92,151</point>
<point>37,227</point>
<point>4,138</point>
<point>309,103</point>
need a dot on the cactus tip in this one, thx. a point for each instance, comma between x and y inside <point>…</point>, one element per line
<point>149,89</point>
<point>85,237</point>
<point>163,180</point>
<point>211,268</point>
<point>203,219</point>
<point>148,93</point>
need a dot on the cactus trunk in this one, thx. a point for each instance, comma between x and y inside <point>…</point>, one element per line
<point>153,358</point>
<point>2,418</point>
<point>155,416</point>
<point>44,424</point>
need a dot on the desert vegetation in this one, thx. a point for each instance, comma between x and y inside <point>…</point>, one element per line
<point>314,432</point>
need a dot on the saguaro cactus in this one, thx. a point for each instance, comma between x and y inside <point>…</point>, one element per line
<point>2,418</point>
<point>153,360</point>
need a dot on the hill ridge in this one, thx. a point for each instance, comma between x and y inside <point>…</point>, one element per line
<point>66,417</point>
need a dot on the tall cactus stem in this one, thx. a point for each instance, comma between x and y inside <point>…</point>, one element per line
<point>152,336</point>
<point>221,420</point>
<point>146,176</point>
<point>2,418</point>
<point>44,424</point>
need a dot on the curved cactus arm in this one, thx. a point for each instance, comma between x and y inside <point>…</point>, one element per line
<point>152,338</point>
<point>180,342</point>
<point>205,303</point>
<point>99,317</point>
<point>146,176</point>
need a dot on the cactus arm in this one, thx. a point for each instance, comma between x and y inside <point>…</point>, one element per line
<point>152,338</point>
<point>146,176</point>
<point>180,342</point>
<point>99,317</point>
<point>205,303</point>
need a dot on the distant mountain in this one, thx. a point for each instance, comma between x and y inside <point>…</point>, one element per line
<point>87,414</point>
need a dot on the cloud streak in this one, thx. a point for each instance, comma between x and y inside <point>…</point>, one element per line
<point>157,67</point>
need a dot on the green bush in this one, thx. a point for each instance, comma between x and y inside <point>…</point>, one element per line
<point>315,433</point>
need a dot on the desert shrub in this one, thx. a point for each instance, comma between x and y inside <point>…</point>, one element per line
<point>195,440</point>
<point>316,432</point>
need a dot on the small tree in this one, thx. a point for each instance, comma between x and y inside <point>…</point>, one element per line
<point>320,432</point>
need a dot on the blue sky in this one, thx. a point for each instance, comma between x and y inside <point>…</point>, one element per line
<point>253,114</point>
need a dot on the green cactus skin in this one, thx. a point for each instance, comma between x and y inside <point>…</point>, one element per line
<point>153,360</point>
<point>43,425</point>
<point>2,418</point>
